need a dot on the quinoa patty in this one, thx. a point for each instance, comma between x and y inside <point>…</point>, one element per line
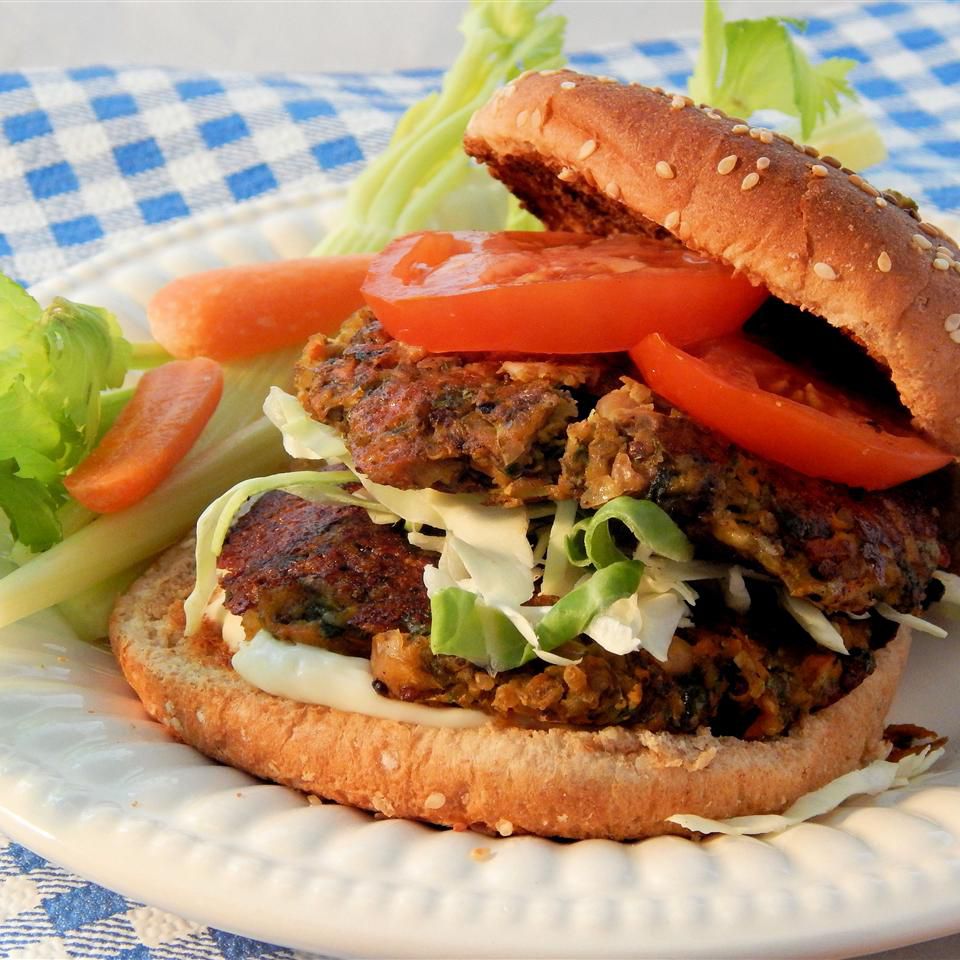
<point>327,575</point>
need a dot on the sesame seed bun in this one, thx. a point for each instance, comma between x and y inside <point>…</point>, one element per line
<point>616,782</point>
<point>588,154</point>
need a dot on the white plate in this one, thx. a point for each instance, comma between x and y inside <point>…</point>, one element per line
<point>88,781</point>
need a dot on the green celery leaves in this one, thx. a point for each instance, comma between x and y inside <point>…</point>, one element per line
<point>750,65</point>
<point>54,363</point>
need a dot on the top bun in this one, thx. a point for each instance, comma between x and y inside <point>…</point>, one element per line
<point>591,155</point>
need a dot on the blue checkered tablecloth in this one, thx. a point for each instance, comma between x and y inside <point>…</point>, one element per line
<point>93,156</point>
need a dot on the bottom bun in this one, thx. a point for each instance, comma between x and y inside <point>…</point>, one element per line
<point>615,782</point>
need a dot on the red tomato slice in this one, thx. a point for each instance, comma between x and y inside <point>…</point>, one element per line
<point>551,292</point>
<point>772,408</point>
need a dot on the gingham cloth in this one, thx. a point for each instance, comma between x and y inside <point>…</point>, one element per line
<point>95,155</point>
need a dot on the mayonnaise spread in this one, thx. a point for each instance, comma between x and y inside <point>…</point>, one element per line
<point>308,674</point>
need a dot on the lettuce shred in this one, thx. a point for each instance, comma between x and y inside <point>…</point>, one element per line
<point>875,778</point>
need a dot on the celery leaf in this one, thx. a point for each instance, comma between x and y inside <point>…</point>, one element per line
<point>750,65</point>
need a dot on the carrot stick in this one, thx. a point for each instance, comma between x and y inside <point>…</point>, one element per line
<point>154,431</point>
<point>243,311</point>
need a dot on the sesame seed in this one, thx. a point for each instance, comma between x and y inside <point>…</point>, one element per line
<point>568,85</point>
<point>763,163</point>
<point>883,262</point>
<point>586,149</point>
<point>766,136</point>
<point>811,151</point>
<point>536,117</point>
<point>956,266</point>
<point>868,188</point>
<point>566,175</point>
<point>739,128</point>
<point>522,118</point>
<point>656,89</point>
<point>612,190</point>
<point>727,164</point>
<point>819,170</point>
<point>831,161</point>
<point>955,336</point>
<point>504,828</point>
<point>952,323</point>
<point>755,133</point>
<point>664,170</point>
<point>880,202</point>
<point>672,220</point>
<point>549,73</point>
<point>713,115</point>
<point>919,240</point>
<point>784,138</point>
<point>930,229</point>
<point>824,271</point>
<point>750,181</point>
<point>435,801</point>
<point>940,263</point>
<point>606,80</point>
<point>943,251</point>
<point>677,102</point>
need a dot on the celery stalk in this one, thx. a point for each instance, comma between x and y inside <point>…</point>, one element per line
<point>114,542</point>
<point>145,355</point>
<point>401,189</point>
<point>169,512</point>
<point>88,613</point>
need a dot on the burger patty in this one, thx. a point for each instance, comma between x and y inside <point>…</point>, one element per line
<point>327,575</point>
<point>845,550</point>
<point>718,675</point>
<point>414,420</point>
<point>322,574</point>
<point>518,430</point>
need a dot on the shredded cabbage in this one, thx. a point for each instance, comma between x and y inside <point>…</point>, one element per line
<point>639,623</point>
<point>915,623</point>
<point>303,437</point>
<point>813,620</point>
<point>873,779</point>
<point>591,543</point>
<point>559,575</point>
<point>951,587</point>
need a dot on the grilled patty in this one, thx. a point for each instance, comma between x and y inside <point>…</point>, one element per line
<point>322,574</point>
<point>327,575</point>
<point>845,550</point>
<point>414,420</point>
<point>566,429</point>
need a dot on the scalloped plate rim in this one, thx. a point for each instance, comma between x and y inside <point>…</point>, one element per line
<point>39,825</point>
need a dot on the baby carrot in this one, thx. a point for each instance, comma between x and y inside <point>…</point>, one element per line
<point>154,431</point>
<point>242,311</point>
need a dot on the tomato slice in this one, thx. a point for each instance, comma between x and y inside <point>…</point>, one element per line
<point>775,409</point>
<point>551,292</point>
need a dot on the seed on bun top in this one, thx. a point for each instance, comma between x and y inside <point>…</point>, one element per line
<point>589,154</point>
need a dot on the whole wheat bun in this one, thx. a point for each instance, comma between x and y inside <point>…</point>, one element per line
<point>615,783</point>
<point>588,154</point>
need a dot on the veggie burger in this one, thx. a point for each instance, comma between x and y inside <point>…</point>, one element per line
<point>591,527</point>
